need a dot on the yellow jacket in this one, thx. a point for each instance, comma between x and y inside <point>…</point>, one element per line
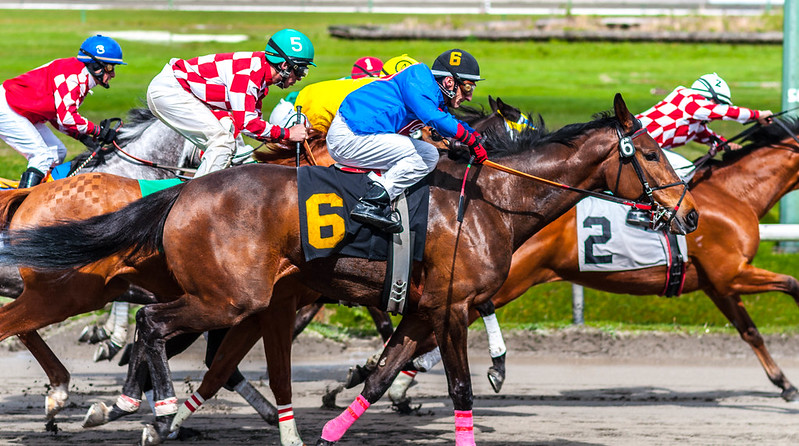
<point>320,101</point>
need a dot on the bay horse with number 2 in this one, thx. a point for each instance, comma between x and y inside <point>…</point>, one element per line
<point>232,267</point>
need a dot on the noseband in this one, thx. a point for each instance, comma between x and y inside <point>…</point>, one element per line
<point>660,216</point>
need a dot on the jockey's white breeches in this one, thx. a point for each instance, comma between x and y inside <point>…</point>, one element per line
<point>190,117</point>
<point>685,169</point>
<point>36,142</point>
<point>404,160</point>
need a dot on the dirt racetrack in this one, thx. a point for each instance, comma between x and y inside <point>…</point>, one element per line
<point>570,387</point>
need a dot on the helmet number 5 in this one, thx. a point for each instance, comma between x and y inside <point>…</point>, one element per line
<point>455,58</point>
<point>296,44</point>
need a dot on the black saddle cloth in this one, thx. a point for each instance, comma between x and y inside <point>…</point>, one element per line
<point>326,197</point>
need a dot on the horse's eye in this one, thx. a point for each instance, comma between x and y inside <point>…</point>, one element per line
<point>652,156</point>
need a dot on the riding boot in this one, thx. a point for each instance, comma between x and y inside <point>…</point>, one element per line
<point>374,209</point>
<point>30,178</point>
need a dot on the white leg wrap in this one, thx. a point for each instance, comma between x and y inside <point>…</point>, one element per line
<point>166,407</point>
<point>428,360</point>
<point>119,331</point>
<point>186,409</point>
<point>289,435</point>
<point>127,403</point>
<point>496,345</point>
<point>400,386</point>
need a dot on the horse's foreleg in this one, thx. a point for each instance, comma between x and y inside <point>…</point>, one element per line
<point>734,310</point>
<point>276,328</point>
<point>398,351</point>
<point>58,374</point>
<point>382,322</point>
<point>496,345</point>
<point>450,325</point>
<point>305,315</point>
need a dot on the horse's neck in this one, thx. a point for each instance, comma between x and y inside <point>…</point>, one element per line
<point>529,205</point>
<point>759,178</point>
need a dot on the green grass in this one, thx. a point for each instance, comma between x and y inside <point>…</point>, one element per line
<point>565,82</point>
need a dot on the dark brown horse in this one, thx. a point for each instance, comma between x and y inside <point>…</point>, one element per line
<point>232,267</point>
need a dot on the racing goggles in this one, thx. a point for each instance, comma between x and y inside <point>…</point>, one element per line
<point>300,71</point>
<point>467,87</point>
<point>107,67</point>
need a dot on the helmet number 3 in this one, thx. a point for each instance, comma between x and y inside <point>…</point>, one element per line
<point>455,58</point>
<point>100,49</point>
<point>296,44</point>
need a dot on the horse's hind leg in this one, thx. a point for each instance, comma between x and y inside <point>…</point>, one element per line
<point>238,341</point>
<point>734,310</point>
<point>58,394</point>
<point>305,315</point>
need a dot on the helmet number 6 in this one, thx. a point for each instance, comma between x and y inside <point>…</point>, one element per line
<point>296,44</point>
<point>455,58</point>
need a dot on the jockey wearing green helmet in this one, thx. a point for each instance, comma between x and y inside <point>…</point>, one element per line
<point>289,50</point>
<point>213,99</point>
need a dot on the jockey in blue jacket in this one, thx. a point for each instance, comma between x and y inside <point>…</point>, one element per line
<point>370,130</point>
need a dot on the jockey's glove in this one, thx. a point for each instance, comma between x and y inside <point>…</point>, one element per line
<point>106,132</point>
<point>474,141</point>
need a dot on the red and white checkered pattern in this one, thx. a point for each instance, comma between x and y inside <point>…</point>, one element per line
<point>683,116</point>
<point>53,92</point>
<point>231,84</point>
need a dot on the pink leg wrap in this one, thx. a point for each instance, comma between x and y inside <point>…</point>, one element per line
<point>335,428</point>
<point>464,428</point>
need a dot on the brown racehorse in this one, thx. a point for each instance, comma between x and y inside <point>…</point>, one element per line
<point>82,197</point>
<point>231,268</point>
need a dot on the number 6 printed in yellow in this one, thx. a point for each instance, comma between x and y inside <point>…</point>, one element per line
<point>317,221</point>
<point>455,58</point>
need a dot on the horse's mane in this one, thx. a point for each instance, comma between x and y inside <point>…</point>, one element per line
<point>469,114</point>
<point>138,120</point>
<point>499,144</point>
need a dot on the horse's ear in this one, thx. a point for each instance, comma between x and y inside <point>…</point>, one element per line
<point>492,103</point>
<point>623,114</point>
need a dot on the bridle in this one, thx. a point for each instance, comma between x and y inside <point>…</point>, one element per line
<point>627,153</point>
<point>660,216</point>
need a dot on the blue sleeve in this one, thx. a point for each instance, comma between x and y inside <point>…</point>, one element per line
<point>424,99</point>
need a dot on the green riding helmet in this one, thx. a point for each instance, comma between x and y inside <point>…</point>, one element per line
<point>290,45</point>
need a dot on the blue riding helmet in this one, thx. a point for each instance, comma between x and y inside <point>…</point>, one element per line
<point>101,49</point>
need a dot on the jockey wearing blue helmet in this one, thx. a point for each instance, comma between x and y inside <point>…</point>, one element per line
<point>101,54</point>
<point>52,93</point>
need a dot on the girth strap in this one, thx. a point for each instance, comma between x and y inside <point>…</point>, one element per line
<point>398,265</point>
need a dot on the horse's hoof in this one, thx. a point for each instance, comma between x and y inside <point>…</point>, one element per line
<point>86,334</point>
<point>125,358</point>
<point>496,378</point>
<point>322,442</point>
<point>790,394</point>
<point>329,398</point>
<point>55,400</point>
<point>106,350</point>
<point>98,335</point>
<point>355,375</point>
<point>96,416</point>
<point>149,436</point>
<point>404,407</point>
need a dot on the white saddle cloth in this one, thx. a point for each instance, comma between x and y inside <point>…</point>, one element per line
<point>605,242</point>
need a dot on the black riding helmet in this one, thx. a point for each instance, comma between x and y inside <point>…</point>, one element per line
<point>458,64</point>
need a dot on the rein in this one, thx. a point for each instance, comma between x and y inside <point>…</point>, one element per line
<point>647,189</point>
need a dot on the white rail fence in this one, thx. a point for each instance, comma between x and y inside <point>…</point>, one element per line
<point>780,232</point>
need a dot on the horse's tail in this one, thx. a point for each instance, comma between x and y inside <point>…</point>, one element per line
<point>138,227</point>
<point>9,203</point>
